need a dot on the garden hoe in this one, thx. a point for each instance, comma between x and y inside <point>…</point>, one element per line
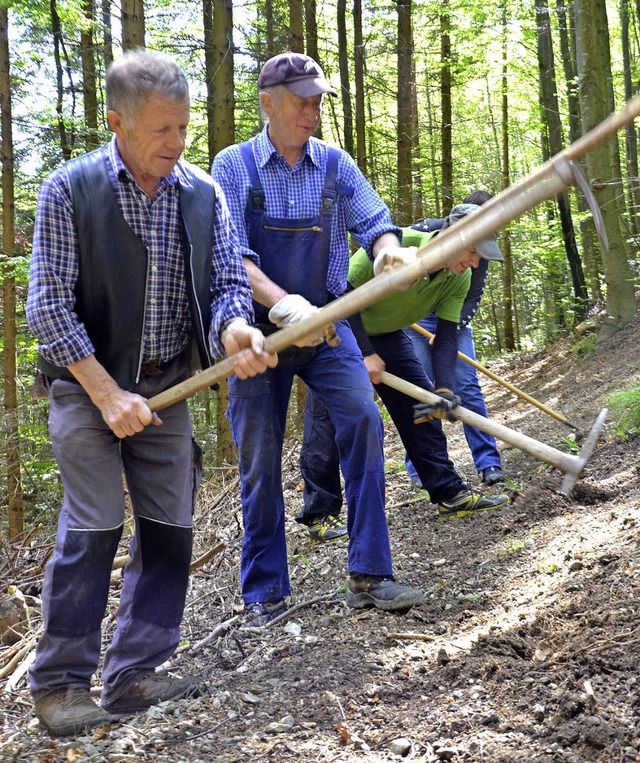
<point>570,465</point>
<point>505,383</point>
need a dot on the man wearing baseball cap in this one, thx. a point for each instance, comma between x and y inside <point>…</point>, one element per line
<point>294,200</point>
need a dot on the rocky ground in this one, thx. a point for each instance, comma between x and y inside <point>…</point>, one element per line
<point>526,648</point>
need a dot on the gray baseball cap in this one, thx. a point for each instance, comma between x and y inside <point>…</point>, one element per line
<point>297,72</point>
<point>488,248</point>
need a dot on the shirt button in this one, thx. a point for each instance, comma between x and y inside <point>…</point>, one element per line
<point>152,300</point>
<point>154,268</point>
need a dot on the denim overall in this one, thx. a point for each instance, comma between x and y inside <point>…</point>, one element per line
<point>295,254</point>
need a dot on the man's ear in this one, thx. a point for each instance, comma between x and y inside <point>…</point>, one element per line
<point>116,122</point>
<point>266,101</point>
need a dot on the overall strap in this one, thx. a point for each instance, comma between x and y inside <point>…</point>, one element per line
<point>329,194</point>
<point>256,191</point>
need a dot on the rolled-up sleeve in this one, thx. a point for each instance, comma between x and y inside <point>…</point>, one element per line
<point>51,301</point>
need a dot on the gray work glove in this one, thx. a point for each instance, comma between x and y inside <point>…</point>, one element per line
<point>442,409</point>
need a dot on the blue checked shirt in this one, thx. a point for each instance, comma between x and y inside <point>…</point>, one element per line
<point>167,325</point>
<point>295,192</point>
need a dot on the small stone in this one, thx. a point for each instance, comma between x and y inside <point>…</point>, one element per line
<point>400,747</point>
<point>539,712</point>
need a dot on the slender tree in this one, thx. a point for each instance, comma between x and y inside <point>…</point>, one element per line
<point>594,77</point>
<point>630,131</point>
<point>551,116</point>
<point>566,29</point>
<point>133,24</point>
<point>218,35</point>
<point>296,21</point>
<point>446,185</point>
<point>66,140</point>
<point>405,138</point>
<point>107,38</point>
<point>10,407</point>
<point>89,75</point>
<point>358,73</point>
<point>345,85</point>
<point>507,273</point>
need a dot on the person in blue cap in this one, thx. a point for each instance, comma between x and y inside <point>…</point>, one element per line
<point>294,200</point>
<point>386,346</point>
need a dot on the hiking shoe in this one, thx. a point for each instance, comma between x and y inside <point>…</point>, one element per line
<point>327,528</point>
<point>70,711</point>
<point>492,476</point>
<point>151,690</point>
<point>382,592</point>
<point>260,613</point>
<point>468,502</point>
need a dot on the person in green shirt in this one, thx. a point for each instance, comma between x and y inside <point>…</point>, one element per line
<point>385,346</point>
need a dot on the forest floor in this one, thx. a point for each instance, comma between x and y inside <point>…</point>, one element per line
<point>526,648</point>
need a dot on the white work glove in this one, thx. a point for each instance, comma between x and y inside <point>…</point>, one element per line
<point>291,309</point>
<point>392,257</point>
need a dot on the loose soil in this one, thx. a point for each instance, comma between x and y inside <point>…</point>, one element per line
<point>526,648</point>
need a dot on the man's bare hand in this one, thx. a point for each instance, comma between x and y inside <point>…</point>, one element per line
<point>375,366</point>
<point>126,413</point>
<point>239,337</point>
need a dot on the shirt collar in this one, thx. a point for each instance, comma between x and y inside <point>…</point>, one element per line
<point>265,149</point>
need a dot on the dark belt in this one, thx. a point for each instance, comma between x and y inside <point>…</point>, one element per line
<point>153,367</point>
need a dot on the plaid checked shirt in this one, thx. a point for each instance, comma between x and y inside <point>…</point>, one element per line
<point>167,328</point>
<point>294,192</point>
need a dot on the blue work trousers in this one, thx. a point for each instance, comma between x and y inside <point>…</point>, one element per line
<point>482,445</point>
<point>162,469</point>
<point>425,442</point>
<point>257,413</point>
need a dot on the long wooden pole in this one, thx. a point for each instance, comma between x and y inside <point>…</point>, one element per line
<point>546,182</point>
<point>511,387</point>
<point>569,464</point>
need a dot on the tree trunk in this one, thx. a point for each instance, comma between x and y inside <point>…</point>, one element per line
<point>587,228</point>
<point>220,85</point>
<point>311,29</point>
<point>594,80</point>
<point>551,116</point>
<point>107,38</point>
<point>630,131</point>
<point>65,143</point>
<point>89,77</point>
<point>296,32</point>
<point>345,87</point>
<point>225,449</point>
<point>132,19</point>
<point>358,65</point>
<point>405,139</point>
<point>446,185</point>
<point>507,273</point>
<point>15,504</point>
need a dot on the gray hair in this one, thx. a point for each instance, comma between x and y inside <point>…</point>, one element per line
<point>139,74</point>
<point>275,91</point>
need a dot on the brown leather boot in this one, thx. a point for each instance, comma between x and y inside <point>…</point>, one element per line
<point>151,690</point>
<point>68,712</point>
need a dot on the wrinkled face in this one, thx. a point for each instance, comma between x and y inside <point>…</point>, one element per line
<point>292,119</point>
<point>468,258</point>
<point>152,140</point>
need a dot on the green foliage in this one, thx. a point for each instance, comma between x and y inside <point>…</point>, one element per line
<point>624,406</point>
<point>584,347</point>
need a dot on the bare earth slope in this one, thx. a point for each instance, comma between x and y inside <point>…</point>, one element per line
<point>526,649</point>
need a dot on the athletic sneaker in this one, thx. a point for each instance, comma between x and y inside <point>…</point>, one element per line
<point>468,502</point>
<point>327,528</point>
